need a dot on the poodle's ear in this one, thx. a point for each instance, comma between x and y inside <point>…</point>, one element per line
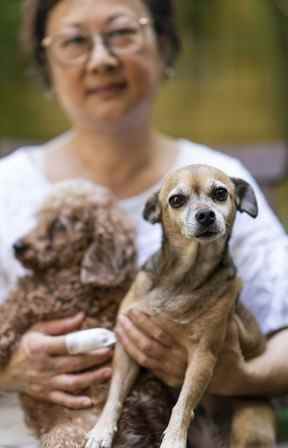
<point>245,197</point>
<point>98,268</point>
<point>110,259</point>
<point>152,209</point>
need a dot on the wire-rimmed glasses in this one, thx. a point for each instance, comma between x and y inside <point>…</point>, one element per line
<point>74,47</point>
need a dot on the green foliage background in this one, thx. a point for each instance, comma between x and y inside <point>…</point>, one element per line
<point>230,85</point>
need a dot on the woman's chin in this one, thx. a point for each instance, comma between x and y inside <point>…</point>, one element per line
<point>108,114</point>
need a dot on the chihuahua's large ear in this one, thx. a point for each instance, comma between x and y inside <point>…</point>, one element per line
<point>245,197</point>
<point>152,209</point>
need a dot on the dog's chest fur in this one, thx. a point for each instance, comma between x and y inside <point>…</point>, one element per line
<point>56,295</point>
<point>183,289</point>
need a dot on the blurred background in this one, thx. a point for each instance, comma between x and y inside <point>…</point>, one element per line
<point>230,88</point>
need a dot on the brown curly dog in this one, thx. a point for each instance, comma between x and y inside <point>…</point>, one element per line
<point>82,257</point>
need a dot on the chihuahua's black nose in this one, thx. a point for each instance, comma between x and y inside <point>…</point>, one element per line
<point>205,217</point>
<point>20,247</point>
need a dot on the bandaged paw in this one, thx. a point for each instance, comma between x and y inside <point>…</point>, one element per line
<point>86,341</point>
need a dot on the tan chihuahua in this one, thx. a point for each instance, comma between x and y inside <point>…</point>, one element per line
<point>191,285</point>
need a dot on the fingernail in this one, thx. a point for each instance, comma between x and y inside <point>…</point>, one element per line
<point>107,373</point>
<point>125,319</point>
<point>87,402</point>
<point>134,313</point>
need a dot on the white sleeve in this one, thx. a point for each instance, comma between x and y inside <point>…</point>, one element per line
<point>10,269</point>
<point>5,284</point>
<point>260,251</point>
<point>21,190</point>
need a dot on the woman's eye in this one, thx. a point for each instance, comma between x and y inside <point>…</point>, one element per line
<point>220,194</point>
<point>122,37</point>
<point>122,32</point>
<point>77,40</point>
<point>177,200</point>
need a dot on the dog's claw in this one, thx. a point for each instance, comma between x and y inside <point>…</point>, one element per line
<point>97,440</point>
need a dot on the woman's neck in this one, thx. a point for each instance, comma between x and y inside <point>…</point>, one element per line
<point>127,163</point>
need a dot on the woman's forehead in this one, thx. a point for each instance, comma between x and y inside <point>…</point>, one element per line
<point>74,12</point>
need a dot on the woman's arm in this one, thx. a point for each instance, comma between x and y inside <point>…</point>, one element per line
<point>267,374</point>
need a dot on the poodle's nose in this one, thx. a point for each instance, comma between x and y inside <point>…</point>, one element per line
<point>20,247</point>
<point>205,217</point>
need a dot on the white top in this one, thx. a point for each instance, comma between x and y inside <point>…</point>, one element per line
<point>259,247</point>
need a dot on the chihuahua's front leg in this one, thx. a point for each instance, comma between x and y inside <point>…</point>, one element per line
<point>198,375</point>
<point>125,371</point>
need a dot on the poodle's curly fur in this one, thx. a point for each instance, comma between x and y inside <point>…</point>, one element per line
<point>81,256</point>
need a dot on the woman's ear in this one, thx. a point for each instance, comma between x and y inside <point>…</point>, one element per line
<point>152,209</point>
<point>245,197</point>
<point>166,58</point>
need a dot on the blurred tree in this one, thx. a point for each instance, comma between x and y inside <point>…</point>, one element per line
<point>11,59</point>
<point>279,9</point>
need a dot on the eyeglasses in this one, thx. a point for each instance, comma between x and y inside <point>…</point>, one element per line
<point>75,47</point>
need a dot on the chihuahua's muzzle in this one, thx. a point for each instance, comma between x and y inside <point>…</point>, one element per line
<point>203,223</point>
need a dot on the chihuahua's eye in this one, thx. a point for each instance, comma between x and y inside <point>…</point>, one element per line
<point>220,194</point>
<point>177,200</point>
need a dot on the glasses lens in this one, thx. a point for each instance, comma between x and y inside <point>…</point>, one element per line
<point>125,38</point>
<point>72,48</point>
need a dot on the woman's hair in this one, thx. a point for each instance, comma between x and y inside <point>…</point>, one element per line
<point>36,13</point>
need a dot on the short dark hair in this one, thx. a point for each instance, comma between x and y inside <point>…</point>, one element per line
<point>35,16</point>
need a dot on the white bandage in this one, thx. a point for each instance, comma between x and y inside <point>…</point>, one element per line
<point>86,341</point>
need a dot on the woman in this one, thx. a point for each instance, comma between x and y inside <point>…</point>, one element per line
<point>105,62</point>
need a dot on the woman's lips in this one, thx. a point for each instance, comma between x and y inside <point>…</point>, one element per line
<point>107,89</point>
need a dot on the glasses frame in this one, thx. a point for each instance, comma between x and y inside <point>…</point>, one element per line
<point>47,42</point>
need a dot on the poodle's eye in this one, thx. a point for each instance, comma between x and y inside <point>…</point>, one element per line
<point>58,226</point>
<point>220,194</point>
<point>74,219</point>
<point>177,200</point>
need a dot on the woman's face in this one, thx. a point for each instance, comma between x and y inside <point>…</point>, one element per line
<point>110,85</point>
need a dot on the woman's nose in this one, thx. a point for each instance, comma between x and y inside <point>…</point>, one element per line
<point>101,58</point>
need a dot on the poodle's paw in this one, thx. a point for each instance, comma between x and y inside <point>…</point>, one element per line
<point>100,437</point>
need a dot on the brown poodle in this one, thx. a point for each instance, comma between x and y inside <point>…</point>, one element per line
<point>81,256</point>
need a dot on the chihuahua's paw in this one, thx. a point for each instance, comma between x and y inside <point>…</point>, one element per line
<point>173,440</point>
<point>99,438</point>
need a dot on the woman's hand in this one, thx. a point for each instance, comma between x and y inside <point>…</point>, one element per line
<point>41,367</point>
<point>152,347</point>
<point>155,348</point>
